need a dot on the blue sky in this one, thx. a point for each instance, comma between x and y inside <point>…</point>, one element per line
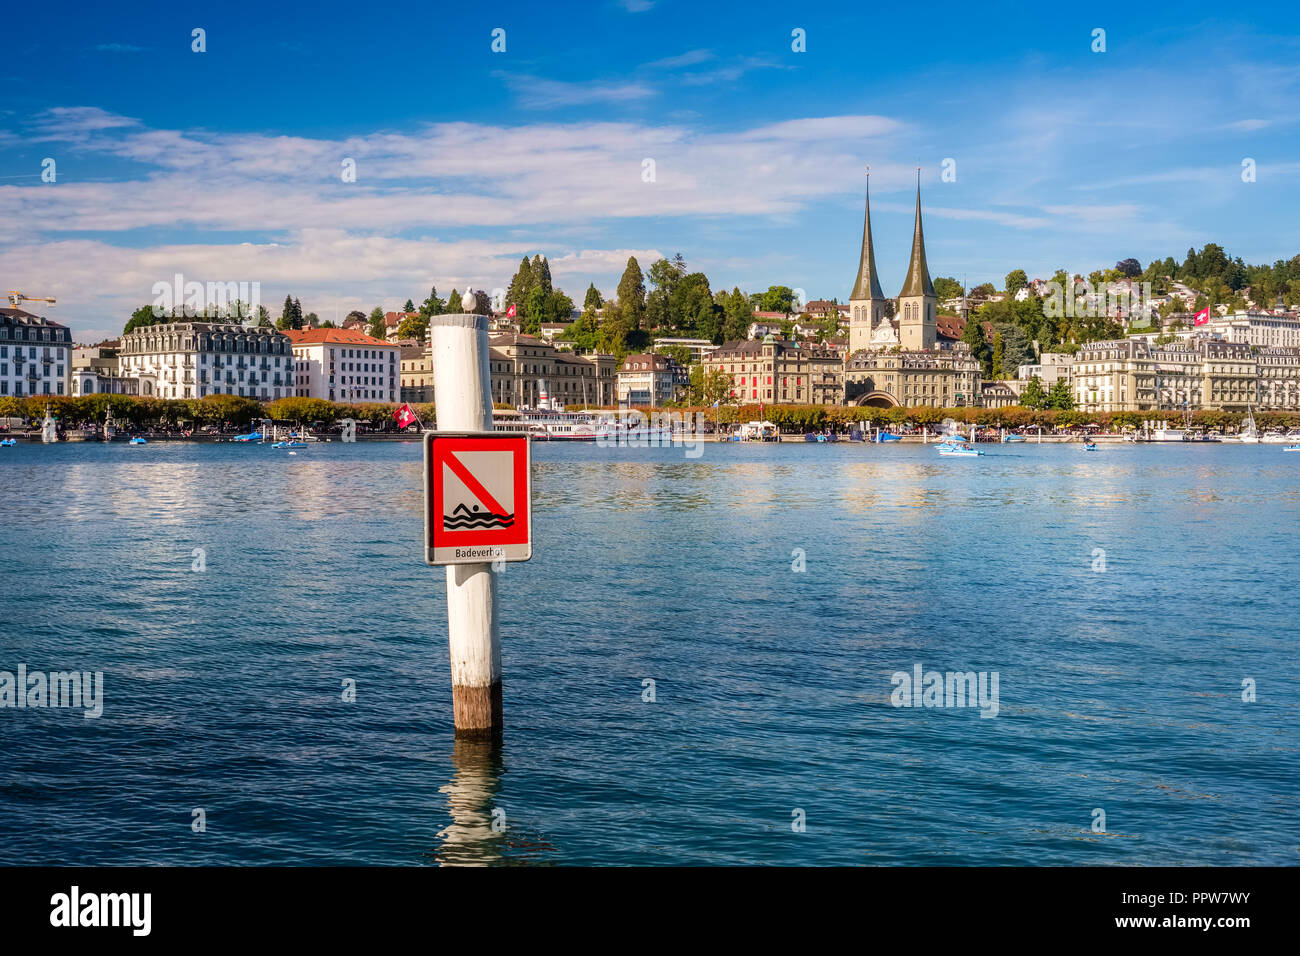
<point>225,165</point>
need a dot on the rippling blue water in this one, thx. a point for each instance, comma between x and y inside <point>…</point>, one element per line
<point>1119,690</point>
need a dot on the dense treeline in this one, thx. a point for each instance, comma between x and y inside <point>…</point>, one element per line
<point>217,410</point>
<point>816,417</point>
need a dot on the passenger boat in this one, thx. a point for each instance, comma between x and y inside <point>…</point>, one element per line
<point>543,425</point>
<point>758,431</point>
<point>957,448</point>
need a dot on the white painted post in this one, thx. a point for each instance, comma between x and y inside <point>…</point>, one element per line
<point>462,387</point>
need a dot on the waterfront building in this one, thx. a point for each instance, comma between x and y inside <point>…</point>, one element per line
<point>1277,371</point>
<point>698,348</point>
<point>1206,373</point>
<point>1052,367</point>
<point>417,373</point>
<point>942,377</point>
<point>1000,394</point>
<point>781,372</point>
<point>193,359</point>
<point>1258,329</point>
<point>524,367</point>
<point>345,365</point>
<point>35,354</point>
<point>96,370</point>
<point>649,379</point>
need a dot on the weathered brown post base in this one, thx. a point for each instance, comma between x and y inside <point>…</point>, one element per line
<point>477,711</point>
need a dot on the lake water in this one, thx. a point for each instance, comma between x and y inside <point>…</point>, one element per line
<point>1120,690</point>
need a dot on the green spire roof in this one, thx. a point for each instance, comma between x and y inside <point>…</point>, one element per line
<point>868,284</point>
<point>918,276</point>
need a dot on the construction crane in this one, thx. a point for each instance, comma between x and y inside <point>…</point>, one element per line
<point>16,297</point>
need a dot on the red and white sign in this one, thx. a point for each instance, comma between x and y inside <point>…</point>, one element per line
<point>478,498</point>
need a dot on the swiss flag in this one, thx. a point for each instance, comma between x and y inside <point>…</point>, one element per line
<point>1203,316</point>
<point>510,312</point>
<point>404,416</point>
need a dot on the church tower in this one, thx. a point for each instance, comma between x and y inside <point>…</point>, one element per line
<point>867,307</point>
<point>917,303</point>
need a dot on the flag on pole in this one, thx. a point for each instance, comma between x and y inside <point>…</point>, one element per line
<point>510,312</point>
<point>1202,317</point>
<point>404,416</point>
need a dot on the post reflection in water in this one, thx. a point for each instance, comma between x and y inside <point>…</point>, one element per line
<point>481,832</point>
<point>470,840</point>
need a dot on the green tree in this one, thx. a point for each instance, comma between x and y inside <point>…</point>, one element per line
<point>1033,396</point>
<point>520,285</point>
<point>140,318</point>
<point>377,327</point>
<point>999,354</point>
<point>454,304</point>
<point>631,298</point>
<point>779,298</point>
<point>973,335</point>
<point>285,321</point>
<point>583,333</point>
<point>1059,397</point>
<point>535,313</point>
<point>410,306</point>
<point>946,288</point>
<point>432,305</point>
<point>413,327</point>
<point>559,307</point>
<point>739,310</point>
<point>709,386</point>
<point>1016,280</point>
<point>592,300</point>
<point>542,273</point>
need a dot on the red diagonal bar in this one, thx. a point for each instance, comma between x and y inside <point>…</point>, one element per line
<point>473,484</point>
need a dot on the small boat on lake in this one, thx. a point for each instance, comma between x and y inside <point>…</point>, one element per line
<point>251,436</point>
<point>886,436</point>
<point>958,448</point>
<point>290,444</point>
<point>1295,447</point>
<point>137,440</point>
<point>6,442</point>
<point>1008,438</point>
<point>1090,446</point>
<point>1249,434</point>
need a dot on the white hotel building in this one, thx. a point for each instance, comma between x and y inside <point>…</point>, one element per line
<point>345,365</point>
<point>195,359</point>
<point>35,355</point>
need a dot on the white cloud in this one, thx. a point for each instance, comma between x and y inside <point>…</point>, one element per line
<point>536,93</point>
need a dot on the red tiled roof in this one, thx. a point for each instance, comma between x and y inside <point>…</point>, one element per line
<point>333,337</point>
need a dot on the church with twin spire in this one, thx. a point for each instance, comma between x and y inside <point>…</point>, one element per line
<point>895,354</point>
